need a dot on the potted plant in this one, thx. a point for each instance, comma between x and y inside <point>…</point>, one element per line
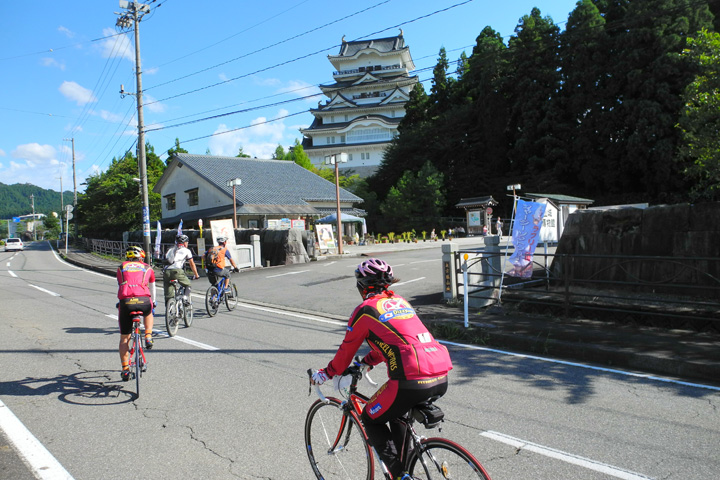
<point>391,236</point>
<point>443,232</point>
<point>424,232</point>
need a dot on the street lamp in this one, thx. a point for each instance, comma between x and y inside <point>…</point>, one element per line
<point>334,160</point>
<point>233,183</point>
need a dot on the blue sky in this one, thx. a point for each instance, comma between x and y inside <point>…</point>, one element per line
<point>62,66</point>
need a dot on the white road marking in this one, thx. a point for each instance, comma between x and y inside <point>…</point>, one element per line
<point>565,457</point>
<point>204,346</point>
<point>292,314</point>
<point>12,274</point>
<point>327,264</point>
<point>580,365</point>
<point>44,290</point>
<point>43,465</point>
<point>426,261</point>
<point>409,281</point>
<point>289,273</point>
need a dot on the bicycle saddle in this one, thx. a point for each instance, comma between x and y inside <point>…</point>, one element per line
<point>428,414</point>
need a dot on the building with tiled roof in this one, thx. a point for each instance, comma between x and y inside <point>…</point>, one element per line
<point>195,187</point>
<point>372,83</point>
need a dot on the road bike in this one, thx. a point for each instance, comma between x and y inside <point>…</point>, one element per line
<point>225,291</point>
<point>337,445</point>
<point>176,308</point>
<point>138,362</point>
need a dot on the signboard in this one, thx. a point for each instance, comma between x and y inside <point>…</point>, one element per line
<point>285,223</point>
<point>326,239</point>
<point>474,218</point>
<point>298,224</point>
<point>224,228</point>
<point>489,210</point>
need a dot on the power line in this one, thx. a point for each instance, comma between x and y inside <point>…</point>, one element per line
<point>310,54</point>
<point>51,50</point>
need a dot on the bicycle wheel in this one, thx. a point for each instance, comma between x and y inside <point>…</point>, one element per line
<point>211,301</point>
<point>442,458</point>
<point>188,314</point>
<point>171,317</point>
<point>336,444</point>
<point>231,297</point>
<point>138,363</point>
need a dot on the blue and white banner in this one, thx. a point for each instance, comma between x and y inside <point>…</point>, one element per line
<point>525,235</point>
<point>157,241</point>
<point>180,228</point>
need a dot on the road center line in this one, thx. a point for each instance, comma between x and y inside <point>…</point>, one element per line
<point>580,365</point>
<point>33,453</point>
<point>289,273</point>
<point>409,281</point>
<point>563,456</point>
<point>44,290</point>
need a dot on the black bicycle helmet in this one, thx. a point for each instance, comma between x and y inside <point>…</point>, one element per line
<point>134,252</point>
<point>181,239</point>
<point>374,274</point>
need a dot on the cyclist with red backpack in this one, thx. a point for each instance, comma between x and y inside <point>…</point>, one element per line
<point>417,364</point>
<point>215,259</point>
<point>136,292</point>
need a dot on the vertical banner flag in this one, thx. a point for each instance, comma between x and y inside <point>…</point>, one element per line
<point>157,241</point>
<point>180,228</point>
<point>525,235</point>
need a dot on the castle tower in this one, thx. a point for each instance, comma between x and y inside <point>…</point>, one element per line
<point>366,103</point>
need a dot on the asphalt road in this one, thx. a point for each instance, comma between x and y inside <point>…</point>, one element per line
<point>227,398</point>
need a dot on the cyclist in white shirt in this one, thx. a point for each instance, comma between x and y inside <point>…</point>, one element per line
<point>176,258</point>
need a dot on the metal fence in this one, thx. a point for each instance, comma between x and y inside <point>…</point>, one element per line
<point>116,249</point>
<point>670,292</point>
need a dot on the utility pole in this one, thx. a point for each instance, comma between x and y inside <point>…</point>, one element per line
<point>32,200</point>
<point>133,16</point>
<point>62,203</point>
<point>74,189</point>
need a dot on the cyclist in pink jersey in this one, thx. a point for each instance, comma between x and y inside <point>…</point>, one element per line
<point>136,292</point>
<point>417,364</point>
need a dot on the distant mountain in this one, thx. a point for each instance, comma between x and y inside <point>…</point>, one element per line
<point>15,200</point>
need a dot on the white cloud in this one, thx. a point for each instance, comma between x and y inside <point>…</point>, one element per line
<point>35,164</point>
<point>152,105</point>
<point>51,62</point>
<point>117,46</point>
<point>66,31</point>
<point>296,88</point>
<point>110,117</point>
<point>77,93</point>
<point>151,71</point>
<point>2,152</point>
<point>223,77</point>
<point>260,140</point>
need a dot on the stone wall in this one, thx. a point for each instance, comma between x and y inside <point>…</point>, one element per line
<point>674,232</point>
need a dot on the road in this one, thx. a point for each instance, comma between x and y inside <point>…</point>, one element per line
<point>227,398</point>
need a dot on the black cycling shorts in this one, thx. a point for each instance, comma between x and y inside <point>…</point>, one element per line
<point>132,304</point>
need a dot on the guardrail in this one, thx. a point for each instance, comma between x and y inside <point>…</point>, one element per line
<point>668,292</point>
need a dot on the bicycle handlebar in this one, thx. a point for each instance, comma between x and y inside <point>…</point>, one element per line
<point>357,371</point>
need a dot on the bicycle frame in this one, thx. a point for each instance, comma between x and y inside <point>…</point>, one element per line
<point>138,362</point>
<point>416,452</point>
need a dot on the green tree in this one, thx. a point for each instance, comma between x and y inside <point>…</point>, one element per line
<point>416,201</point>
<point>176,149</point>
<point>297,154</point>
<point>242,154</point>
<point>279,153</point>
<point>52,226</point>
<point>112,202</point>
<point>700,119</point>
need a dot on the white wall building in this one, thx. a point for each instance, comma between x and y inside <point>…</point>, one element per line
<point>366,103</point>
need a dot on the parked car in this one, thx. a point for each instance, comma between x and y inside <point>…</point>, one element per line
<point>13,244</point>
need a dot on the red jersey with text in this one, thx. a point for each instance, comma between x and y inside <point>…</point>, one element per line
<point>396,336</point>
<point>133,278</point>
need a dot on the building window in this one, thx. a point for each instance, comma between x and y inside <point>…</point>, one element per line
<point>349,160</point>
<point>170,202</point>
<point>342,140</point>
<point>327,140</point>
<point>192,197</point>
<point>362,156</point>
<point>332,118</point>
<point>346,119</point>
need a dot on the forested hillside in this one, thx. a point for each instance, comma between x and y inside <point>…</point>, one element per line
<point>15,200</point>
<point>595,110</point>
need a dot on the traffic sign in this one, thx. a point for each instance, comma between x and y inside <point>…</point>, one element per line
<point>68,208</point>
